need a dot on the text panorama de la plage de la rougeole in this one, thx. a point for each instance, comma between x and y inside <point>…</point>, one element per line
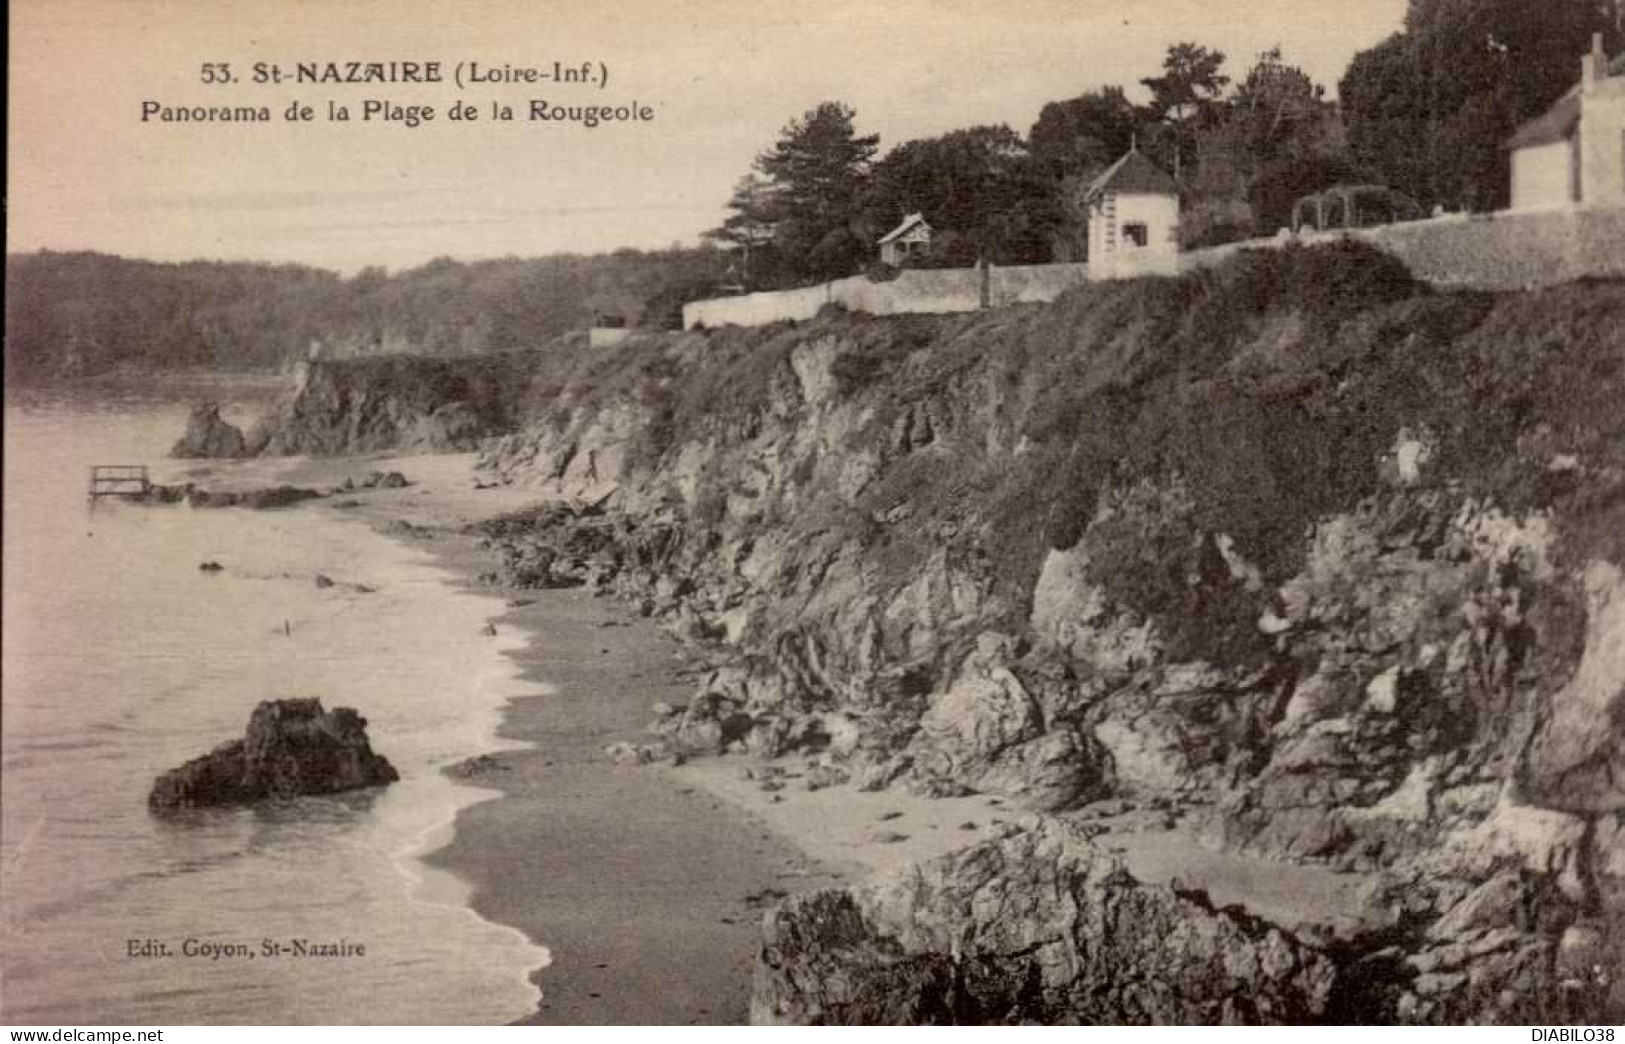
<point>399,93</point>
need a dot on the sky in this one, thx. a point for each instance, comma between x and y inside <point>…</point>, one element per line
<point>722,79</point>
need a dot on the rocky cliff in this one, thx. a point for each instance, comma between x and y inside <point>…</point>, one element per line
<point>1324,560</point>
<point>400,402</point>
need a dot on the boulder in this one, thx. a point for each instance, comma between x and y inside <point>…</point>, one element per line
<point>987,734</point>
<point>292,748</point>
<point>451,428</point>
<point>624,753</point>
<point>209,436</point>
<point>1036,924</point>
<point>278,496</point>
<point>385,480</point>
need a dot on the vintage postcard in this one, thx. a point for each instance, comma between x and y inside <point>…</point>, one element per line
<point>895,513</point>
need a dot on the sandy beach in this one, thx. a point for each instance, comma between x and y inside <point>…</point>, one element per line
<point>645,886</point>
<point>647,882</point>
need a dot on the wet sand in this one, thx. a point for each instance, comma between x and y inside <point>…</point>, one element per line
<point>647,894</point>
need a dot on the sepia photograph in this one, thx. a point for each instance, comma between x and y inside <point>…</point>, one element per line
<point>921,512</point>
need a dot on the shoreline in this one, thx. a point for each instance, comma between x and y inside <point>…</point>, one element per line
<point>645,890</point>
<point>647,883</point>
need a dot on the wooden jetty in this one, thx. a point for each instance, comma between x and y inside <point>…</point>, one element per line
<point>118,480</point>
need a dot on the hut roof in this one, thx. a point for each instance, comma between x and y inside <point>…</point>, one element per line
<point>1133,173</point>
<point>908,224</point>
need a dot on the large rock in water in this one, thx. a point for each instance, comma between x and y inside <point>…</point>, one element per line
<point>1036,925</point>
<point>293,747</point>
<point>209,436</point>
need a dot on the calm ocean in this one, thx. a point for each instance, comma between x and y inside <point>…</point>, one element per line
<point>122,659</point>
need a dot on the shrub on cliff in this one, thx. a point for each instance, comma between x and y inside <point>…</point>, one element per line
<point>1324,281</point>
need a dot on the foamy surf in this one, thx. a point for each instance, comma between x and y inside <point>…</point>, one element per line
<point>435,886</point>
<point>123,660</point>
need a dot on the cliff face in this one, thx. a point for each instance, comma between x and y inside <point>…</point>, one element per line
<point>1327,561</point>
<point>399,402</point>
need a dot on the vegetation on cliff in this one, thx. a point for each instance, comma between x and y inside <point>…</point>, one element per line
<point>1323,559</point>
<point>1273,388</point>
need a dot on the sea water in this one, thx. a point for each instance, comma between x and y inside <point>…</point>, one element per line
<point>122,659</point>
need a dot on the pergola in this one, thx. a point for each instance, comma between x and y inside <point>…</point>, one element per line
<point>1353,206</point>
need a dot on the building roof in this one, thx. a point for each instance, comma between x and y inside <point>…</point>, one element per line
<point>1557,123</point>
<point>1133,173</point>
<point>908,224</point>
<point>1554,125</point>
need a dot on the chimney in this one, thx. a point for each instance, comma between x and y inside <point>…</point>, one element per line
<point>1594,66</point>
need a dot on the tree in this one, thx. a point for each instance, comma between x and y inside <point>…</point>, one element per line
<point>1083,135</point>
<point>1073,141</point>
<point>818,171</point>
<point>1428,108</point>
<point>1275,140</point>
<point>750,228</point>
<point>978,187</point>
<point>1185,93</point>
<point>1276,104</point>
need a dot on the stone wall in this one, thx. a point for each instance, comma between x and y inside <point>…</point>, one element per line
<point>607,336</point>
<point>757,309</point>
<point>1508,250</point>
<point>1026,284</point>
<point>945,290</point>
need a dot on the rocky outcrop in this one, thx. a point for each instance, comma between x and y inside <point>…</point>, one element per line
<point>1516,919</point>
<point>1321,562</point>
<point>266,497</point>
<point>453,427</point>
<point>209,436</point>
<point>376,480</point>
<point>292,748</point>
<point>1040,925</point>
<point>255,499</point>
<point>399,402</point>
<point>1037,925</point>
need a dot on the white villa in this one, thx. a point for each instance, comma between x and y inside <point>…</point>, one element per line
<point>1574,153</point>
<point>1133,220</point>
